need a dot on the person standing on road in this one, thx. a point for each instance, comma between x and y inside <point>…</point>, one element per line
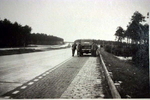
<point>79,53</point>
<point>94,49</point>
<point>73,48</point>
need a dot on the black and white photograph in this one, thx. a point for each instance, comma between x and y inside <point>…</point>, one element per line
<point>74,49</point>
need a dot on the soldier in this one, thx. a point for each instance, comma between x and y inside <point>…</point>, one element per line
<point>79,53</point>
<point>94,49</point>
<point>73,48</point>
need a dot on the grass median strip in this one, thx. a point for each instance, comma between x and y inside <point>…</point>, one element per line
<point>22,51</point>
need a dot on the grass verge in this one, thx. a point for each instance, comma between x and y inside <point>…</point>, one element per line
<point>21,51</point>
<point>134,80</point>
<point>17,51</point>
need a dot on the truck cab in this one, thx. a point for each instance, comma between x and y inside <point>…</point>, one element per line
<point>86,46</point>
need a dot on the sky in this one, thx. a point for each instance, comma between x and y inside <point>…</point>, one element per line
<point>73,19</point>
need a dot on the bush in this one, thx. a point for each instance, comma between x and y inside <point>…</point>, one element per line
<point>116,50</point>
<point>139,53</point>
<point>141,56</point>
<point>108,48</point>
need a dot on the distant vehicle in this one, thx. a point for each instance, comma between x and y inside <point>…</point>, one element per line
<point>87,46</point>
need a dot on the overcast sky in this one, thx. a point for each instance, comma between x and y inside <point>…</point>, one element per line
<point>73,19</point>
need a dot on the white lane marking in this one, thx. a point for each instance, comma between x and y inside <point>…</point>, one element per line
<point>23,87</point>
<point>44,75</point>
<point>7,97</point>
<point>30,83</point>
<point>59,65</point>
<point>40,77</point>
<point>36,80</point>
<point>15,92</point>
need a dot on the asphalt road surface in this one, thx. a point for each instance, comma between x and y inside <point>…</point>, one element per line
<point>49,74</point>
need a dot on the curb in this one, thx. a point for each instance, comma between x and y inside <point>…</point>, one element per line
<point>114,92</point>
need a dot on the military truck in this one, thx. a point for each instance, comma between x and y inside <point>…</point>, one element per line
<point>86,46</point>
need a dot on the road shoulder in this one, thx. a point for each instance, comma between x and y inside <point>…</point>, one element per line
<point>87,83</point>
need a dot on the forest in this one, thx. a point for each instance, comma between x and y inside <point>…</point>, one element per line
<point>16,35</point>
<point>132,41</point>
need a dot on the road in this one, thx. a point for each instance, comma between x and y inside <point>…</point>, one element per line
<point>18,69</point>
<point>50,74</point>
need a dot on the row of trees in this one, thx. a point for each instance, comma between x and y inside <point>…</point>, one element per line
<point>16,35</point>
<point>13,34</point>
<point>136,32</point>
<point>137,44</point>
<point>41,38</point>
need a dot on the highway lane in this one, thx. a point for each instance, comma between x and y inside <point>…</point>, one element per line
<point>18,69</point>
<point>50,84</point>
<point>76,78</point>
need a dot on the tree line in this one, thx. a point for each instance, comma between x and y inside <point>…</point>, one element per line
<point>136,32</point>
<point>16,35</point>
<point>44,39</point>
<point>137,40</point>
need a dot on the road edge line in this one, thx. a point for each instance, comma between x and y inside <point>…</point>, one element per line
<point>55,67</point>
<point>13,91</point>
<point>114,91</point>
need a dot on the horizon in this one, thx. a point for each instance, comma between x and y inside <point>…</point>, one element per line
<point>76,19</point>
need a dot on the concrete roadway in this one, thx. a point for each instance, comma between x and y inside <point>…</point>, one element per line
<point>18,69</point>
<point>50,74</point>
